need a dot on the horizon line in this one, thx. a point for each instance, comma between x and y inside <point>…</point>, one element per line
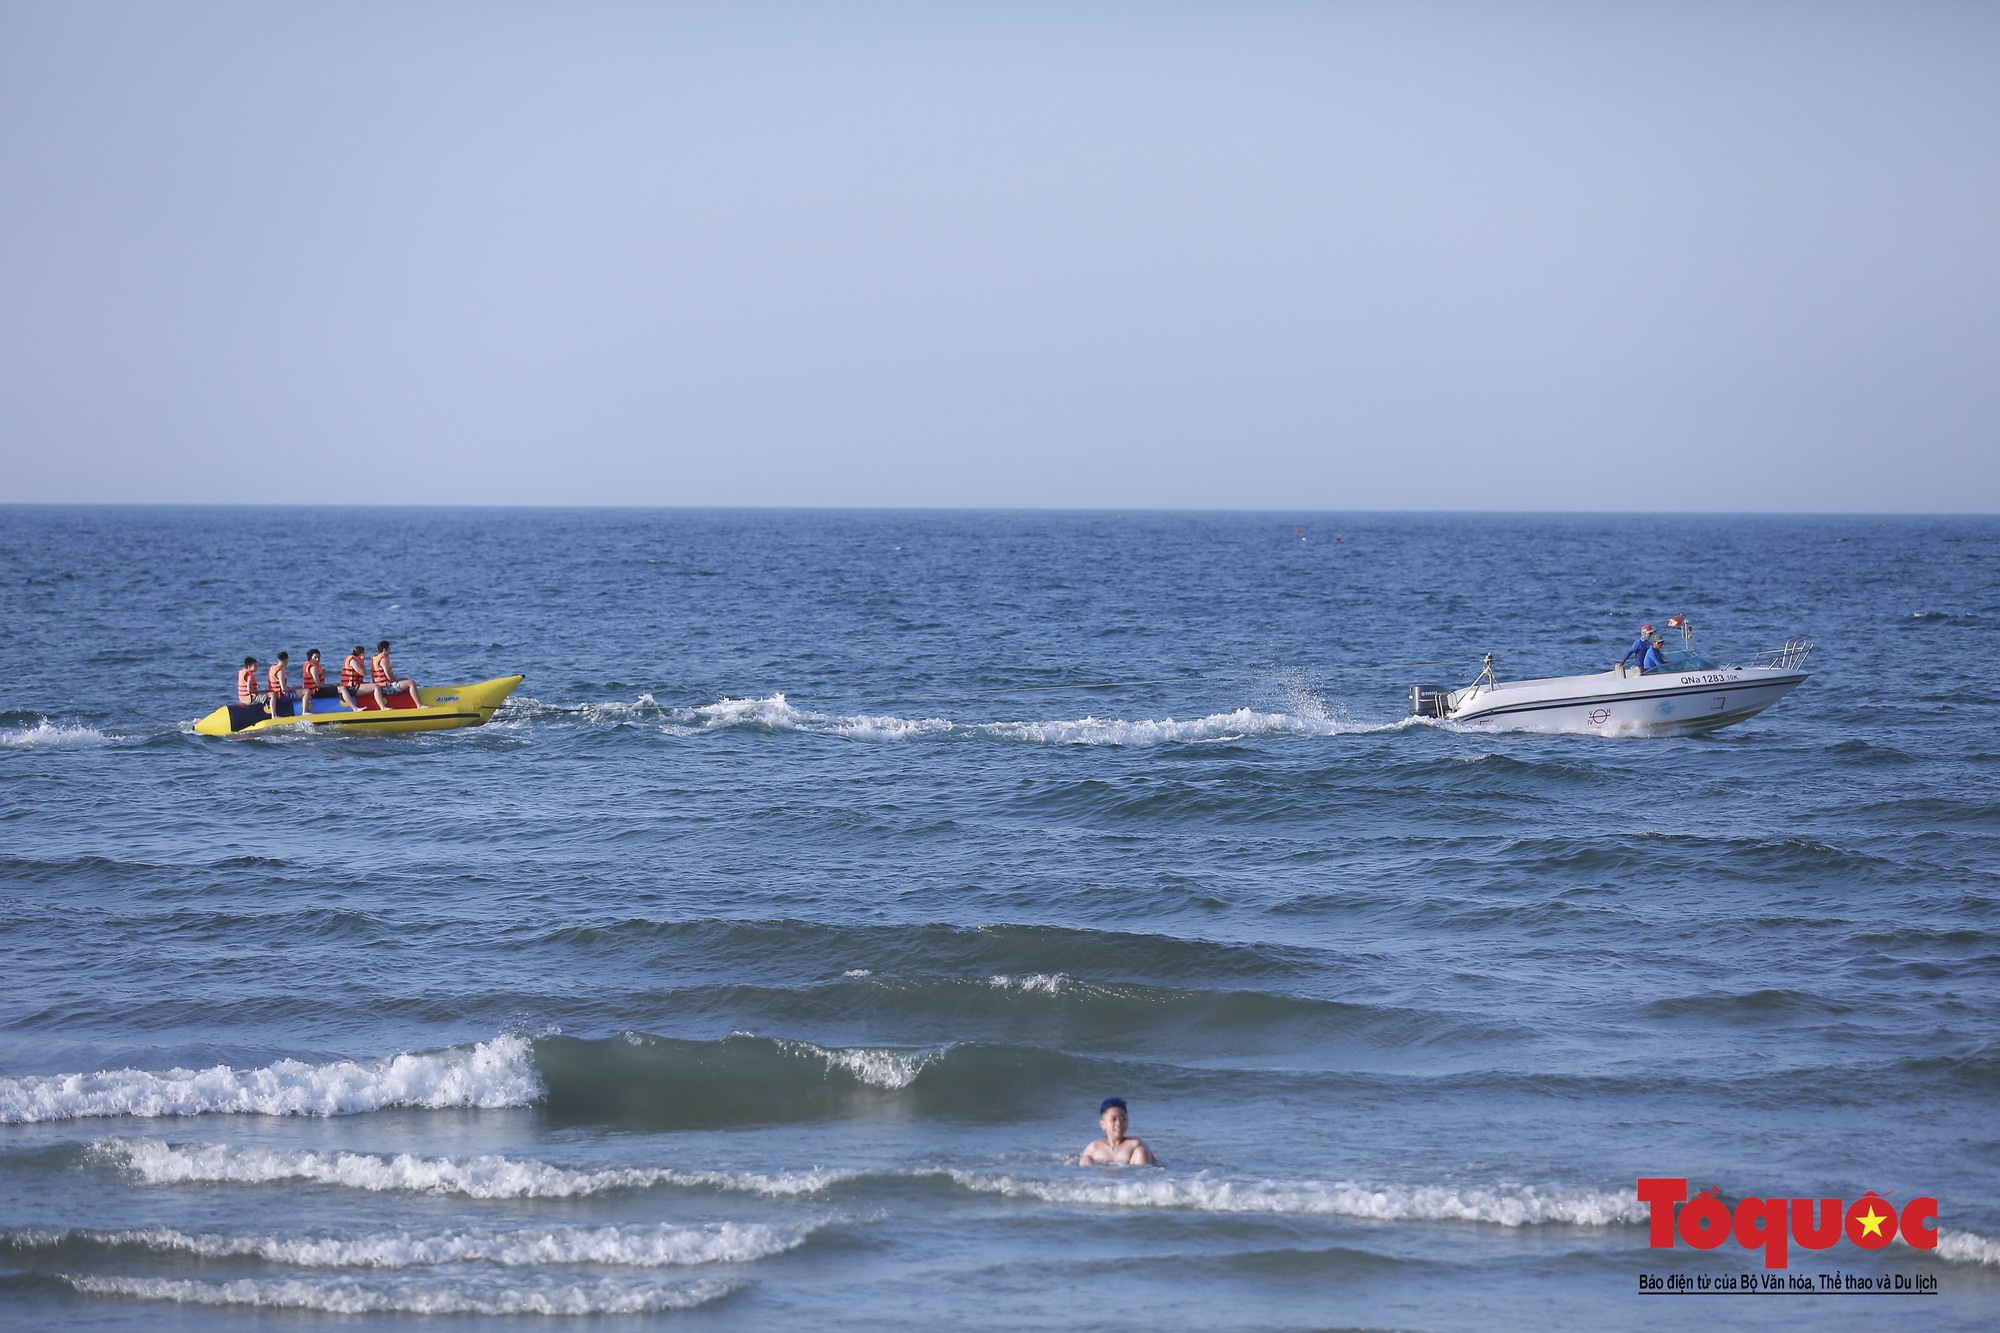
<point>993,509</point>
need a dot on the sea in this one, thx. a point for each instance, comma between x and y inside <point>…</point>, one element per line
<point>764,961</point>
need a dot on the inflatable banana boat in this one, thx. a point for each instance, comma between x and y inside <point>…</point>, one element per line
<point>435,708</point>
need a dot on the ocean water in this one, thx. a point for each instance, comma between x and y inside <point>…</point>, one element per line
<point>763,962</point>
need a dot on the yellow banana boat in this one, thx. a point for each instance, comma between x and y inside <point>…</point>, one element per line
<point>437,708</point>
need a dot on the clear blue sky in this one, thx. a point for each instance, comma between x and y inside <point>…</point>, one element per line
<point>1600,256</point>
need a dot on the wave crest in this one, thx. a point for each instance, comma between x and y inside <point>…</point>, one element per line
<point>877,1067</point>
<point>493,1073</point>
<point>484,1177</point>
<point>542,1298</point>
<point>1510,1206</point>
<point>659,1246</point>
<point>1967,1247</point>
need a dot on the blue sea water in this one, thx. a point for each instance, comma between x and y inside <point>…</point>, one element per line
<point>763,962</point>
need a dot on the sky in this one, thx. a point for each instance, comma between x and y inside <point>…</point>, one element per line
<point>1330,256</point>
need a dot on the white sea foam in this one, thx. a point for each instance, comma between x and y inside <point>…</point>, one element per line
<point>644,708</point>
<point>1045,983</point>
<point>858,972</point>
<point>493,1073</point>
<point>1504,1206</point>
<point>483,1177</point>
<point>881,1068</point>
<point>631,1246</point>
<point>776,714</point>
<point>46,733</point>
<point>1967,1247</point>
<point>1242,724</point>
<point>414,1297</point>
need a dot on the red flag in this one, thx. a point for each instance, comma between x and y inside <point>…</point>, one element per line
<point>1675,622</point>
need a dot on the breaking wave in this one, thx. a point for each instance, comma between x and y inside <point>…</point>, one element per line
<point>499,1177</point>
<point>878,1068</point>
<point>1510,1206</point>
<point>494,1073</point>
<point>660,1246</point>
<point>746,1080</point>
<point>1967,1247</point>
<point>1042,983</point>
<point>488,1176</point>
<point>428,1297</point>
<point>741,1079</point>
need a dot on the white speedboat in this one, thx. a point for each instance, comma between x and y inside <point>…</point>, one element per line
<point>1688,694</point>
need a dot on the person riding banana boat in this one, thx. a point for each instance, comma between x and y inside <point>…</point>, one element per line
<point>370,696</point>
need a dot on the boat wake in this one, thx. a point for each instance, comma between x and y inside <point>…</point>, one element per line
<point>43,732</point>
<point>1299,715</point>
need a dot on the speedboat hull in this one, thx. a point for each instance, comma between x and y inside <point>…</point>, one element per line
<point>1660,703</point>
<point>438,708</point>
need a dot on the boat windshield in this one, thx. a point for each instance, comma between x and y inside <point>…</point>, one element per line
<point>1680,659</point>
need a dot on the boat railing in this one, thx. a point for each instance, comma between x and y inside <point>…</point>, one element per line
<point>1791,657</point>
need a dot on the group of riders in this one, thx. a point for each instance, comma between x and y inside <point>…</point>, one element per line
<point>361,677</point>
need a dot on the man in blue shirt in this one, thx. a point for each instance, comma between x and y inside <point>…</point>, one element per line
<point>1645,650</point>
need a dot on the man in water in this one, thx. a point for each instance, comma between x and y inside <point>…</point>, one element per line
<point>1114,1149</point>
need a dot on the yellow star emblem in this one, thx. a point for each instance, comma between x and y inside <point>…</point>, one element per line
<point>1871,1222</point>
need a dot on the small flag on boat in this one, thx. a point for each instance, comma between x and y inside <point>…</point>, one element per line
<point>1676,622</point>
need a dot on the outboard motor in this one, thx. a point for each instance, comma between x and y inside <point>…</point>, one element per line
<point>1430,701</point>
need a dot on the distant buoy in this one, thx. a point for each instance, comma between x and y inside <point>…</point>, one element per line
<point>1336,541</point>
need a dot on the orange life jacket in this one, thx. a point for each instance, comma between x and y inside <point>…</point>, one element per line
<point>353,671</point>
<point>381,666</point>
<point>277,677</point>
<point>312,676</point>
<point>246,685</point>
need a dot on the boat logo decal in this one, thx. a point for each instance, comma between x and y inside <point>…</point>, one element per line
<point>1666,708</point>
<point>1599,716</point>
<point>445,699</point>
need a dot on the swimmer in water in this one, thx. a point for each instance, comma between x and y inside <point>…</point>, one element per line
<point>1115,1149</point>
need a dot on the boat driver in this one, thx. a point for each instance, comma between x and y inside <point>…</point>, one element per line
<point>1645,651</point>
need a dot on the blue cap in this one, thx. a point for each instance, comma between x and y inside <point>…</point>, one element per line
<point>1110,1102</point>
